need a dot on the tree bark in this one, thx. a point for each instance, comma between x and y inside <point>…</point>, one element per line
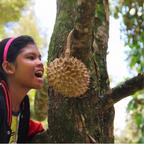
<point>79,119</point>
<point>90,117</point>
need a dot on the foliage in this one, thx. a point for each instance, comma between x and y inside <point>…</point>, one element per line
<point>134,130</point>
<point>27,25</point>
<point>131,12</point>
<point>11,11</point>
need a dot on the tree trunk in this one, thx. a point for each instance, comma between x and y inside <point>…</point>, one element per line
<point>81,119</point>
<point>88,118</point>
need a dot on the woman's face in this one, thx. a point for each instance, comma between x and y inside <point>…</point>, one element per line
<point>29,68</point>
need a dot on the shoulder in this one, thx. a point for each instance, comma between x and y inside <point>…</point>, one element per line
<point>2,98</point>
<point>1,90</point>
<point>3,107</point>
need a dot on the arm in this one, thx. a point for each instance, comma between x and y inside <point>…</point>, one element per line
<point>34,128</point>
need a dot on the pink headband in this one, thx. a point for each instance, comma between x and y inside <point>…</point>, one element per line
<point>7,47</point>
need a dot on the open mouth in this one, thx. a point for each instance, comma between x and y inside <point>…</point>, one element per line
<point>39,74</point>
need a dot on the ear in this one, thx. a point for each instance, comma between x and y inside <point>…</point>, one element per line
<point>8,67</point>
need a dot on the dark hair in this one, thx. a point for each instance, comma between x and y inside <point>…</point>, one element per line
<point>14,49</point>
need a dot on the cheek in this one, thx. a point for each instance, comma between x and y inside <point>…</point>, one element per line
<point>29,71</point>
<point>25,70</point>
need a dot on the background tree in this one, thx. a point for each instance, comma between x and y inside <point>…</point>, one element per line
<point>132,27</point>
<point>27,25</point>
<point>88,118</point>
<point>11,11</point>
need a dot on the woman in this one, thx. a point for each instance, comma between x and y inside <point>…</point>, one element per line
<point>21,69</point>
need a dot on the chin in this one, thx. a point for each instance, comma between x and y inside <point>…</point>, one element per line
<point>38,86</point>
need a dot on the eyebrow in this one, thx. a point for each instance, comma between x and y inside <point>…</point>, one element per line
<point>32,53</point>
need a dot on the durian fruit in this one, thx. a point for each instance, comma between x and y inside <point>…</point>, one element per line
<point>68,75</point>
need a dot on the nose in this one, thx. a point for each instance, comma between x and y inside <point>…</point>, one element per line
<point>39,63</point>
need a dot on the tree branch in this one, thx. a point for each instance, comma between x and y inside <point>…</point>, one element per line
<point>128,88</point>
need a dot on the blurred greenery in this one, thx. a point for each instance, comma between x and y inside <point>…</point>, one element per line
<point>28,25</point>
<point>134,129</point>
<point>131,14</point>
<point>11,11</point>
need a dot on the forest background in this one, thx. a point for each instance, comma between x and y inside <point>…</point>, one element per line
<point>25,17</point>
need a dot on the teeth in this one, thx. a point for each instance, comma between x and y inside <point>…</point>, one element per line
<point>39,73</point>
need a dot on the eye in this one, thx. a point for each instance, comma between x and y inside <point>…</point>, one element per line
<point>31,57</point>
<point>40,57</point>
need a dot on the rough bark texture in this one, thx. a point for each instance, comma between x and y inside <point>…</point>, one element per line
<point>80,119</point>
<point>88,118</point>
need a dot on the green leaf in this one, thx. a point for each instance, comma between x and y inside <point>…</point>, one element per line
<point>135,95</point>
<point>131,106</point>
<point>141,140</point>
<point>142,130</point>
<point>139,119</point>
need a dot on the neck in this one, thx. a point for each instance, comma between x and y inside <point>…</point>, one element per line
<point>17,94</point>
